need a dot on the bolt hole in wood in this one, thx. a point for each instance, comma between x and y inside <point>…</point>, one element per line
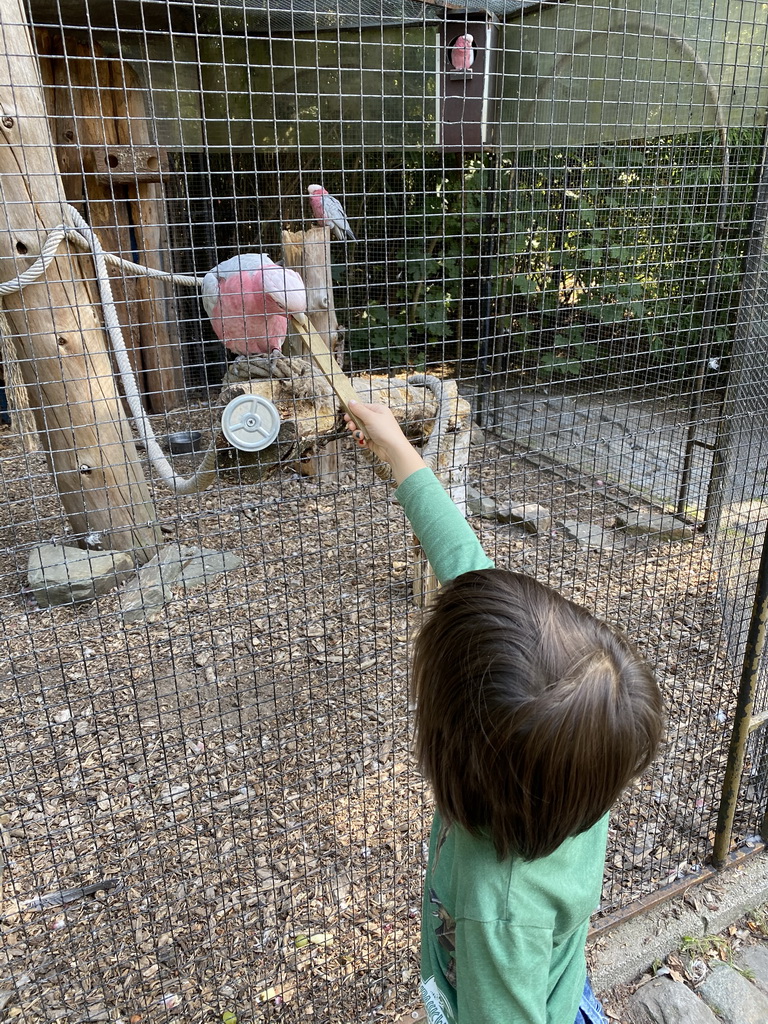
<point>7,122</point>
<point>21,248</point>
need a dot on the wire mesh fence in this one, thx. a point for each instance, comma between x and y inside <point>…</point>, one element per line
<point>209,804</point>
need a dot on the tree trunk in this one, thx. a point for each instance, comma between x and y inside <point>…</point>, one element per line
<point>58,333</point>
<point>309,253</point>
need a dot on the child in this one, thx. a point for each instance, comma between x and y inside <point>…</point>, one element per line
<point>531,718</point>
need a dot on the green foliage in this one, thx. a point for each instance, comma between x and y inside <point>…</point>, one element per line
<point>594,260</point>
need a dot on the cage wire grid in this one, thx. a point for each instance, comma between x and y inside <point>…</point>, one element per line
<point>209,804</point>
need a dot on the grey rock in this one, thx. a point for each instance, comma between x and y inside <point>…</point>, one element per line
<point>479,505</point>
<point>206,565</point>
<point>662,1001</point>
<point>659,527</point>
<point>733,997</point>
<point>755,959</point>
<point>191,566</point>
<point>532,517</point>
<point>589,535</point>
<point>59,574</point>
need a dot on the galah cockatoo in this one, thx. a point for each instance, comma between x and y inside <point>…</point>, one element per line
<point>249,299</point>
<point>463,53</point>
<point>327,210</point>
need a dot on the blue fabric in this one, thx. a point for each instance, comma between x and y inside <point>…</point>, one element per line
<point>590,1010</point>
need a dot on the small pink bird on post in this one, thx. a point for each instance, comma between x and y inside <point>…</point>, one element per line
<point>463,52</point>
<point>249,299</point>
<point>328,211</point>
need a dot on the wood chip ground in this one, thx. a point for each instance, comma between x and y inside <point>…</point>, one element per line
<point>241,765</point>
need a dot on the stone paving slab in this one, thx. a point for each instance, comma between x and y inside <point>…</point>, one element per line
<point>629,437</point>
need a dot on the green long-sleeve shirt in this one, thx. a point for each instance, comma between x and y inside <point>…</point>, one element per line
<point>502,942</point>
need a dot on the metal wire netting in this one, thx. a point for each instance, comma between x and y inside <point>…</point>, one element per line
<point>209,804</point>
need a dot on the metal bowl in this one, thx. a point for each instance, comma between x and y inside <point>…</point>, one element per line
<point>184,442</point>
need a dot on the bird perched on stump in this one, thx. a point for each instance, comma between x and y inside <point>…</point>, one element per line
<point>328,211</point>
<point>249,299</point>
<point>463,52</point>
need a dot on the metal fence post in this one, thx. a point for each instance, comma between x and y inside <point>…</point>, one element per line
<point>742,722</point>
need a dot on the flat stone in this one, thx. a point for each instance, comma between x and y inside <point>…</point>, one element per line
<point>532,517</point>
<point>755,959</point>
<point>479,505</point>
<point>205,565</point>
<point>589,535</point>
<point>662,1001</point>
<point>733,997</point>
<point>659,527</point>
<point>191,566</point>
<point>59,574</point>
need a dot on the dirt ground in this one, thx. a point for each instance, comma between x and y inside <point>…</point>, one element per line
<point>234,777</point>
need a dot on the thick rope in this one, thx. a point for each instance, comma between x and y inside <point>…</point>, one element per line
<point>85,238</point>
<point>431,449</point>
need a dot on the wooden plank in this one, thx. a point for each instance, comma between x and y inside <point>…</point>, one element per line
<point>97,106</point>
<point>160,343</point>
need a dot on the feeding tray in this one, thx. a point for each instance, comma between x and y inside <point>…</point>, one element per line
<point>184,442</point>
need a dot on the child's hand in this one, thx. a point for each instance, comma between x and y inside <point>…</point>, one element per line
<point>374,427</point>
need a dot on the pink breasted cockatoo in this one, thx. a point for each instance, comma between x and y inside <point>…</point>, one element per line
<point>463,52</point>
<point>249,299</point>
<point>327,210</point>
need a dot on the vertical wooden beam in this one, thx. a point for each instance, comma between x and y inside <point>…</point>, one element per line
<point>62,345</point>
<point>309,253</point>
<point>96,104</point>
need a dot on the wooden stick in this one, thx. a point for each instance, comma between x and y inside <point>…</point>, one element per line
<point>325,361</point>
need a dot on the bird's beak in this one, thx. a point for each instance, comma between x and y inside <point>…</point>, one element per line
<point>301,319</point>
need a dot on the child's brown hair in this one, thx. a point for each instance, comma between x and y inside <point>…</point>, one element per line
<point>531,714</point>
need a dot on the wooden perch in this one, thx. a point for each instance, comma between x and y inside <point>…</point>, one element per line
<point>309,253</point>
<point>57,328</point>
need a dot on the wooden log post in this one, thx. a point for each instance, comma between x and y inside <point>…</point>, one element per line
<point>309,253</point>
<point>58,333</point>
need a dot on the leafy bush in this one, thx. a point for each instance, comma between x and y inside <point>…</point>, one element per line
<point>561,264</point>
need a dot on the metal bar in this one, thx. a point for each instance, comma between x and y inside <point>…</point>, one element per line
<point>669,892</point>
<point>743,714</point>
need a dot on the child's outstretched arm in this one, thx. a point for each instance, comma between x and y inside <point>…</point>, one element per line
<point>448,540</point>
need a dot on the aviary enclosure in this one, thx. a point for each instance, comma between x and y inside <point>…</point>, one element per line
<point>554,271</point>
